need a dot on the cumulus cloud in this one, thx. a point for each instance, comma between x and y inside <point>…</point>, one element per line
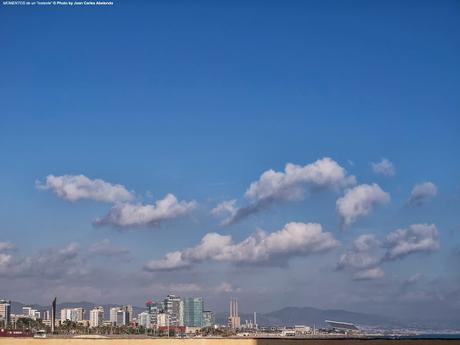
<point>79,187</point>
<point>367,253</point>
<point>51,263</point>
<point>106,248</point>
<point>384,167</point>
<point>5,246</point>
<point>416,238</point>
<point>295,239</point>
<point>225,208</point>
<point>359,201</point>
<point>132,215</point>
<point>4,259</point>
<point>291,185</point>
<point>363,258</point>
<point>171,261</point>
<point>421,193</point>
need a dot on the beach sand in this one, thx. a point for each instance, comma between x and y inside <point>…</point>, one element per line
<point>220,341</point>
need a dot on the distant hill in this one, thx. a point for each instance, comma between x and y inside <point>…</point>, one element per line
<point>314,316</point>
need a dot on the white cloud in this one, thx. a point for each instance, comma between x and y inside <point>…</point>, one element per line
<point>225,208</point>
<point>384,167</point>
<point>295,239</point>
<point>52,263</point>
<point>422,192</point>
<point>78,187</point>
<point>369,274</point>
<point>106,248</point>
<point>359,201</point>
<point>4,259</point>
<point>171,261</point>
<point>5,246</point>
<point>291,184</point>
<point>416,238</point>
<point>363,258</point>
<point>131,215</point>
<point>367,254</point>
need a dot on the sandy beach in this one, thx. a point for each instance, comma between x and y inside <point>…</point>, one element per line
<point>208,341</point>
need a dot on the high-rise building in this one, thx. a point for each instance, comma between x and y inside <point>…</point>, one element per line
<point>96,317</point>
<point>72,314</point>
<point>143,319</point>
<point>122,317</point>
<point>208,318</point>
<point>129,309</point>
<point>234,318</point>
<point>162,319</point>
<point>193,312</point>
<point>113,315</point>
<point>65,314</point>
<point>154,308</point>
<point>46,315</point>
<point>5,312</point>
<point>174,307</point>
<point>53,315</point>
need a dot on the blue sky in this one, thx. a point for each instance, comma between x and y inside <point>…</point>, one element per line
<point>198,100</point>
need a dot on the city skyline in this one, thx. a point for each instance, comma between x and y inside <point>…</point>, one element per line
<point>301,155</point>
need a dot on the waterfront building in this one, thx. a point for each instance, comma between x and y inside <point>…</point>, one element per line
<point>143,319</point>
<point>208,318</point>
<point>174,307</point>
<point>122,317</point>
<point>162,319</point>
<point>96,317</point>
<point>72,314</point>
<point>193,312</point>
<point>113,315</point>
<point>153,309</point>
<point>234,318</point>
<point>5,312</point>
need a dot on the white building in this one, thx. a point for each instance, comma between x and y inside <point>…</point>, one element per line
<point>121,316</point>
<point>5,311</point>
<point>72,314</point>
<point>113,315</point>
<point>162,320</point>
<point>143,320</point>
<point>174,307</point>
<point>96,317</point>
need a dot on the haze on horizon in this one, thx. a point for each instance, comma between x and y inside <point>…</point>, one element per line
<point>287,154</point>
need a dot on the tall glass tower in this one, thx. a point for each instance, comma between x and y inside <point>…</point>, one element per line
<point>193,312</point>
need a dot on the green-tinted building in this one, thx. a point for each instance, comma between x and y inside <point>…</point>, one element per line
<point>193,312</point>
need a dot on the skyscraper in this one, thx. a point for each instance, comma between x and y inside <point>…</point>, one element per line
<point>53,315</point>
<point>234,318</point>
<point>5,312</point>
<point>193,312</point>
<point>154,308</point>
<point>174,307</point>
<point>96,317</point>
